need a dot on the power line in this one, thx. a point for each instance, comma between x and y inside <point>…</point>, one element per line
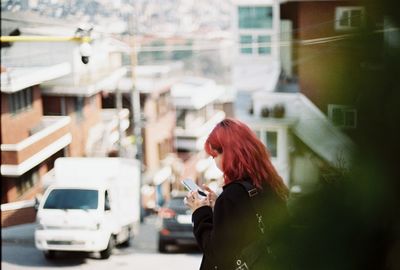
<point>254,45</point>
<point>306,28</point>
<point>302,42</point>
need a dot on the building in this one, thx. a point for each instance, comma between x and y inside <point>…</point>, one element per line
<point>161,167</point>
<point>305,115</point>
<point>196,101</point>
<point>325,31</point>
<point>303,144</point>
<point>30,139</point>
<point>256,28</point>
<point>51,107</point>
<point>96,132</point>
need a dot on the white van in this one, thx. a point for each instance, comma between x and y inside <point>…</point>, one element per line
<point>93,205</point>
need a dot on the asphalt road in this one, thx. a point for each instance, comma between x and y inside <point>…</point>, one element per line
<point>19,253</point>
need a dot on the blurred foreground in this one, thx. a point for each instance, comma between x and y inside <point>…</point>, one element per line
<point>352,221</point>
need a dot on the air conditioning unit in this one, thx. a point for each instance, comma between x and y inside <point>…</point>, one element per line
<point>342,116</point>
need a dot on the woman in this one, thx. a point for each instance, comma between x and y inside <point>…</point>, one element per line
<point>223,226</point>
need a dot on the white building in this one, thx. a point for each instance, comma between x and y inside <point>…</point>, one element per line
<point>256,27</point>
<point>303,144</point>
<point>194,100</point>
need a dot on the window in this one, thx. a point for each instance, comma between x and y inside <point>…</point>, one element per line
<point>347,18</point>
<point>20,101</point>
<point>79,103</point>
<point>180,119</point>
<point>342,116</point>
<point>259,17</point>
<point>72,199</point>
<point>255,44</point>
<point>246,44</point>
<point>270,140</point>
<point>264,44</point>
<point>26,181</point>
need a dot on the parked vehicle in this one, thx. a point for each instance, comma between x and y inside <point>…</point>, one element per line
<point>175,224</point>
<point>93,205</point>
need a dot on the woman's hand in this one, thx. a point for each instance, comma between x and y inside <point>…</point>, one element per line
<point>211,195</point>
<point>193,201</point>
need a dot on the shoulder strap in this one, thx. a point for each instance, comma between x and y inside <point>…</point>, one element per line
<point>253,192</point>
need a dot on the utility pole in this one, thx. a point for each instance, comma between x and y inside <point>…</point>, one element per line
<point>118,100</point>
<point>135,101</point>
<point>135,104</point>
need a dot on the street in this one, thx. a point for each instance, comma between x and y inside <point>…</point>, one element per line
<point>20,253</point>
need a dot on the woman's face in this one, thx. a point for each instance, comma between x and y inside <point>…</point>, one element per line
<point>218,161</point>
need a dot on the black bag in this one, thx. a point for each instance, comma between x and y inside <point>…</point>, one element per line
<point>256,255</point>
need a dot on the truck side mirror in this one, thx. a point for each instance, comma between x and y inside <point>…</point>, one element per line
<point>37,202</point>
<point>107,206</point>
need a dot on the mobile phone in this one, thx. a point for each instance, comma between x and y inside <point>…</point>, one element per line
<point>192,186</point>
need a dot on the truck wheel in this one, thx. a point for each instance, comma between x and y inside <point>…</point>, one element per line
<point>162,246</point>
<point>49,254</point>
<point>127,243</point>
<point>105,254</point>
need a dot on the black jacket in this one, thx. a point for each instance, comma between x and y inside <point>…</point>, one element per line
<point>222,234</point>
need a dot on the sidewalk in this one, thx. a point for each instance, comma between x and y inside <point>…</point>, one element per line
<point>19,234</point>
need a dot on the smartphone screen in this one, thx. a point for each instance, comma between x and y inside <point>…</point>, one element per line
<point>192,186</point>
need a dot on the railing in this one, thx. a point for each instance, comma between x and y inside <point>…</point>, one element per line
<point>49,125</point>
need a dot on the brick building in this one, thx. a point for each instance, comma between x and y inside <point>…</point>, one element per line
<point>51,107</point>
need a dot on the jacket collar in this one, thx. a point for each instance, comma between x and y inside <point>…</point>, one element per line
<point>242,179</point>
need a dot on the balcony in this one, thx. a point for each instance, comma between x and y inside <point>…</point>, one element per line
<point>192,137</point>
<point>194,93</point>
<point>17,78</point>
<point>48,137</point>
<point>86,84</point>
<point>104,136</point>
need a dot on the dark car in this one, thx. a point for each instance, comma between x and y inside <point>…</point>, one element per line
<point>175,221</point>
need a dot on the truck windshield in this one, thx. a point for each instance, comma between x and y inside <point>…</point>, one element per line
<point>72,199</point>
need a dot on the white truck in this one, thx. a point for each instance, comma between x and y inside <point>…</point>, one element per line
<point>93,205</point>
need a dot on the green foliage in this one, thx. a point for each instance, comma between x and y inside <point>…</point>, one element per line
<point>354,222</point>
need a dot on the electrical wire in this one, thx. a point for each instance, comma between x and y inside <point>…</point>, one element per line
<point>253,45</point>
<point>256,45</point>
<point>304,28</point>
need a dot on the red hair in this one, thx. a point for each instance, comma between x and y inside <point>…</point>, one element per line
<point>244,156</point>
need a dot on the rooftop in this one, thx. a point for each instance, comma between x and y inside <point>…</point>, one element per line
<point>18,78</point>
<point>195,92</point>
